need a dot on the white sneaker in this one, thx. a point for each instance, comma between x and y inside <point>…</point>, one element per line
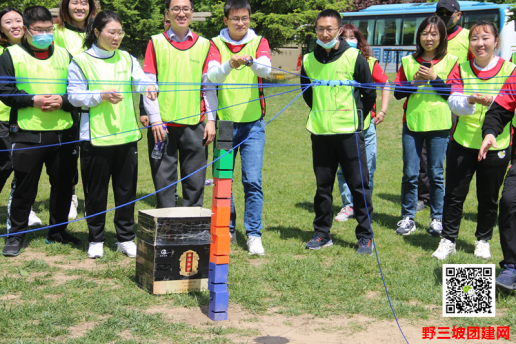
<point>345,214</point>
<point>482,249</point>
<point>72,215</point>
<point>255,245</point>
<point>446,247</point>
<point>96,250</point>
<point>34,220</point>
<point>127,247</point>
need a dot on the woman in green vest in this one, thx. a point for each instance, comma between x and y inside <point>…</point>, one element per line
<point>74,18</point>
<point>474,86</point>
<point>109,128</point>
<point>427,118</point>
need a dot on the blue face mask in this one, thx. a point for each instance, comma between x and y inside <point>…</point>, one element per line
<point>328,45</point>
<point>352,44</point>
<point>42,41</point>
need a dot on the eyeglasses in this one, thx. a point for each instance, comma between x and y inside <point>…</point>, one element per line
<point>82,3</point>
<point>47,30</point>
<point>236,20</point>
<point>431,34</point>
<point>177,10</point>
<point>321,30</point>
<point>115,34</point>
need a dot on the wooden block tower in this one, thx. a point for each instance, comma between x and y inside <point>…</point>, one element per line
<point>221,210</point>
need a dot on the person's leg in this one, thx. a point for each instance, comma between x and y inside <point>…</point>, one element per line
<point>164,170</point>
<point>371,149</point>
<point>75,202</point>
<point>345,194</point>
<point>124,180</point>
<point>507,218</point>
<point>460,168</point>
<point>423,184</point>
<point>412,143</point>
<point>192,157</point>
<point>436,146</point>
<point>237,138</point>
<point>6,161</point>
<point>96,163</point>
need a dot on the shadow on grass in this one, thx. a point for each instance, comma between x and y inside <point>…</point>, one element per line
<point>309,206</point>
<point>305,236</point>
<point>430,244</point>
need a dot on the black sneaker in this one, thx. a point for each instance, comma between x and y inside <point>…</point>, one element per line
<point>63,237</point>
<point>422,204</point>
<point>318,241</point>
<point>365,247</point>
<point>12,246</point>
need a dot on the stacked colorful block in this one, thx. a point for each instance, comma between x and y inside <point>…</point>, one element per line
<point>221,210</point>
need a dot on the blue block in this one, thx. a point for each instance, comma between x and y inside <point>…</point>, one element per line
<point>219,302</point>
<point>218,273</point>
<point>217,287</point>
<point>218,316</point>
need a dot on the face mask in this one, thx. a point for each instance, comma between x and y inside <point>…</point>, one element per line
<point>448,21</point>
<point>352,44</point>
<point>42,41</point>
<point>328,45</point>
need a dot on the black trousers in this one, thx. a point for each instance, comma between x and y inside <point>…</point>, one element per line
<point>6,160</point>
<point>423,183</point>
<point>507,219</point>
<point>60,162</point>
<point>98,165</point>
<point>328,151</point>
<point>461,165</point>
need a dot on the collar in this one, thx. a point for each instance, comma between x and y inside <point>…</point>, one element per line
<point>27,47</point>
<point>490,71</point>
<point>249,36</point>
<point>74,28</point>
<point>454,32</point>
<point>172,35</point>
<point>100,53</point>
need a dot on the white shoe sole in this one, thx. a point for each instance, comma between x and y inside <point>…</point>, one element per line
<point>444,258</point>
<point>95,256</point>
<point>412,230</point>
<point>483,257</point>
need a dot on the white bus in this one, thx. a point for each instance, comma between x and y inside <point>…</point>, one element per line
<point>388,28</point>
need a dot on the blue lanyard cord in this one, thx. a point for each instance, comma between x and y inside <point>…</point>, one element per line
<point>166,187</point>
<point>150,126</point>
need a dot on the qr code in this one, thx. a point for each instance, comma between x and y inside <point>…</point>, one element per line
<point>468,290</point>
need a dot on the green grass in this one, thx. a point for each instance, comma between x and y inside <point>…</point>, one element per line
<point>48,296</point>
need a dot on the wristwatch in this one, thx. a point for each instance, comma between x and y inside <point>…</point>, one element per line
<point>250,62</point>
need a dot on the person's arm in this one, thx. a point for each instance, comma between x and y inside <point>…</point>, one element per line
<point>497,117</point>
<point>362,74</point>
<point>78,93</point>
<point>308,94</point>
<point>263,66</point>
<point>379,77</point>
<point>211,102</point>
<point>10,94</point>
<point>442,88</point>
<point>402,88</point>
<point>457,102</point>
<point>217,71</point>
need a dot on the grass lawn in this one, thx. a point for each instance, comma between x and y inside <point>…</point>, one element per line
<point>53,293</point>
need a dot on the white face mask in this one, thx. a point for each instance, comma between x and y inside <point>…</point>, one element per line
<point>330,44</point>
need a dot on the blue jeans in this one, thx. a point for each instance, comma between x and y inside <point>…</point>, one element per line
<point>370,146</point>
<point>436,145</point>
<point>251,153</point>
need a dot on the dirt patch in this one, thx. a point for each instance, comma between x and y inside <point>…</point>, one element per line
<point>372,295</point>
<point>257,262</point>
<point>9,297</point>
<point>60,278</point>
<point>80,330</point>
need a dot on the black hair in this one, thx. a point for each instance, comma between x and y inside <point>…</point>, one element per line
<point>36,14</point>
<point>443,37</point>
<point>99,23</point>
<point>64,14</point>
<point>169,1</point>
<point>329,13</point>
<point>236,5</point>
<point>3,38</point>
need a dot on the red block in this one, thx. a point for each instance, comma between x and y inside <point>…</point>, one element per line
<point>222,188</point>
<point>218,259</point>
<point>221,202</point>
<point>219,230</point>
<point>220,244</point>
<point>220,216</point>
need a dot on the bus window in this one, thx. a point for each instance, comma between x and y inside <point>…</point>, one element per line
<point>471,18</point>
<point>388,31</point>
<point>366,26</point>
<point>410,26</point>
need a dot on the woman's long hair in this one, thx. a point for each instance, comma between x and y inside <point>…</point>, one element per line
<point>99,23</point>
<point>64,13</point>
<point>443,37</point>
<point>361,41</point>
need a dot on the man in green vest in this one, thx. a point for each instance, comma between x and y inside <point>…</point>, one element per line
<point>39,125</point>
<point>242,57</point>
<point>336,123</point>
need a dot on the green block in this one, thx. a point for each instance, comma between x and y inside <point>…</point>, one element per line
<point>223,174</point>
<point>224,163</point>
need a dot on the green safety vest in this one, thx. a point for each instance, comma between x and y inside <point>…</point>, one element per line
<point>243,113</point>
<point>468,131</point>
<point>367,120</point>
<point>72,41</point>
<point>459,45</point>
<point>177,101</point>
<point>4,109</point>
<point>426,109</point>
<point>107,119</point>
<point>333,109</point>
<point>513,58</point>
<point>55,70</point>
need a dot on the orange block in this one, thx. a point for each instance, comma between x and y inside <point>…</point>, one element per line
<point>219,230</point>
<point>222,188</point>
<point>221,202</point>
<point>219,259</point>
<point>220,244</point>
<point>220,216</point>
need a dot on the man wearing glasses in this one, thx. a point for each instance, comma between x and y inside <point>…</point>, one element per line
<point>177,59</point>
<point>242,57</point>
<point>336,123</point>
<point>39,120</point>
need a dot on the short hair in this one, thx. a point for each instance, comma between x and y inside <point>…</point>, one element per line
<point>443,37</point>
<point>236,5</point>
<point>483,24</point>
<point>3,38</point>
<point>329,13</point>
<point>36,14</point>
<point>167,4</point>
<point>64,13</point>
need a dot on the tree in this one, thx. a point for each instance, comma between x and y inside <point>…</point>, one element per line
<point>21,5</point>
<point>140,20</point>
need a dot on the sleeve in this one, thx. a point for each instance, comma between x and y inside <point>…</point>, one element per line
<point>217,71</point>
<point>470,54</point>
<point>143,112</point>
<point>308,94</point>
<point>209,92</point>
<point>152,107</point>
<point>379,76</point>
<point>263,67</point>
<point>501,111</point>
<point>363,75</point>
<point>149,64</point>
<point>78,93</point>
<point>138,76</point>
<point>10,94</point>
<point>459,104</point>
<point>402,89</point>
